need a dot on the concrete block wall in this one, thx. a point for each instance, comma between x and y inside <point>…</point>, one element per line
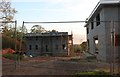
<point>103,32</point>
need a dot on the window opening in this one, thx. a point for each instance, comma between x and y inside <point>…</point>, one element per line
<point>30,47</point>
<point>98,20</point>
<point>36,47</point>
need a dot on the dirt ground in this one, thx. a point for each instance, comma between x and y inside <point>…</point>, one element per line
<point>50,66</point>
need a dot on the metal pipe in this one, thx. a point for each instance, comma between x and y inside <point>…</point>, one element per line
<point>21,37</point>
<point>15,35</point>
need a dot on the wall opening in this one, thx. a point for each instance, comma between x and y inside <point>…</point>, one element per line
<point>30,47</point>
<point>92,25</point>
<point>96,42</point>
<point>46,48</point>
<point>98,20</point>
<point>36,47</point>
<point>36,37</point>
<point>88,46</point>
<point>63,46</point>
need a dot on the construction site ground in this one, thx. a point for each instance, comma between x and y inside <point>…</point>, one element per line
<point>51,66</point>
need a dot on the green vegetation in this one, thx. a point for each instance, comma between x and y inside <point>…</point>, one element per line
<point>86,59</point>
<point>75,59</point>
<point>37,29</point>
<point>80,48</point>
<point>77,48</point>
<point>83,46</point>
<point>13,56</point>
<point>8,42</point>
<point>93,73</point>
<point>10,34</point>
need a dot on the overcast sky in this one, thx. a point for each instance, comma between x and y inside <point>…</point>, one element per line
<point>56,10</point>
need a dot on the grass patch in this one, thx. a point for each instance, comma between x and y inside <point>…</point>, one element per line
<point>75,59</point>
<point>93,73</point>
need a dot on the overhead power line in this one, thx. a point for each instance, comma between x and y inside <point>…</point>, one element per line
<point>68,21</point>
<point>59,22</point>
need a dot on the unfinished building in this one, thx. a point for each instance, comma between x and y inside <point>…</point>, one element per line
<point>103,30</point>
<point>52,43</point>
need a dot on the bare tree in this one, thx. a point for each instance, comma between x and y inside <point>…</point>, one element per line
<point>6,11</point>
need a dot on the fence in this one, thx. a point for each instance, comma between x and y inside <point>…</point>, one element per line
<point>107,35</point>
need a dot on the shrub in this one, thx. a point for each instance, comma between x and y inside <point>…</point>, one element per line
<point>13,56</point>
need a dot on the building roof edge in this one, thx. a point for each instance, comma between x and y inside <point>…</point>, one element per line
<point>98,5</point>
